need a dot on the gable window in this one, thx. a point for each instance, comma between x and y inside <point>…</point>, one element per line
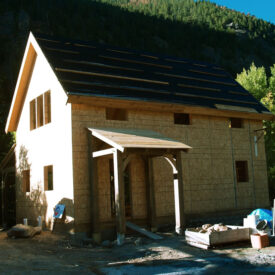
<point>33,114</point>
<point>236,123</point>
<point>40,110</point>
<point>241,171</point>
<point>183,119</point>
<point>26,181</point>
<point>47,107</point>
<point>48,178</point>
<point>116,114</point>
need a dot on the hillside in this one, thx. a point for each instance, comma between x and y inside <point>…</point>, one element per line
<point>197,30</point>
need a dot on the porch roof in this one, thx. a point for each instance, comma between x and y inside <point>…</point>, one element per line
<point>132,138</point>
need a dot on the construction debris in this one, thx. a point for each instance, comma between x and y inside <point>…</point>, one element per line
<point>143,231</point>
<point>23,231</point>
<point>209,235</point>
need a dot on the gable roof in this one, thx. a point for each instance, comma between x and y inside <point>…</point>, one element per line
<point>107,73</point>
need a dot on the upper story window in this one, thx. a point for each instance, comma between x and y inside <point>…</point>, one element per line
<point>236,123</point>
<point>241,171</point>
<point>183,119</point>
<point>40,110</point>
<point>116,114</point>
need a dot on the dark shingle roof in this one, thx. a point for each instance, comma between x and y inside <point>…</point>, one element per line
<point>91,69</point>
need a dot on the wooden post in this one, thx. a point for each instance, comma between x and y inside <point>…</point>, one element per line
<point>150,193</point>
<point>273,218</point>
<point>119,196</point>
<point>178,193</point>
<point>93,180</point>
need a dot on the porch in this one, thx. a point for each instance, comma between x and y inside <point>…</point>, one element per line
<point>121,146</point>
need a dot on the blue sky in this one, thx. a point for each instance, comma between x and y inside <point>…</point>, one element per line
<point>264,9</point>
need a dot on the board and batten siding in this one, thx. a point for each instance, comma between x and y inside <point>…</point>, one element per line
<point>50,144</point>
<point>209,173</point>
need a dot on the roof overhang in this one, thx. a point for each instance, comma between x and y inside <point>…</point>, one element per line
<point>122,139</point>
<point>22,84</point>
<point>219,111</point>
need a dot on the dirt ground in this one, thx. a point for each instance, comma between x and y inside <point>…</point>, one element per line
<point>49,253</point>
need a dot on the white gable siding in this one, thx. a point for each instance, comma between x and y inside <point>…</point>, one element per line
<point>50,144</point>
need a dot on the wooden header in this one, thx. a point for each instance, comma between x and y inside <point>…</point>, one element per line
<point>169,107</point>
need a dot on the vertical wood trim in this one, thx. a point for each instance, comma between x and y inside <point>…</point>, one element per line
<point>150,193</point>
<point>234,168</point>
<point>179,196</point>
<point>93,181</point>
<point>119,194</point>
<point>251,163</point>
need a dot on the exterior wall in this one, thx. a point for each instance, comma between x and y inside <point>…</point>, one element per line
<point>47,145</point>
<point>209,174</point>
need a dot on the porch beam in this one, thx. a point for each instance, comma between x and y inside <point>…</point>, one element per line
<point>119,196</point>
<point>103,152</point>
<point>93,182</point>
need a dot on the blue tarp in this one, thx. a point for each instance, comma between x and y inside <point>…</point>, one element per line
<point>264,214</point>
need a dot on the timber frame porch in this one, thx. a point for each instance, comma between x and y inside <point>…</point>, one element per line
<point>122,145</point>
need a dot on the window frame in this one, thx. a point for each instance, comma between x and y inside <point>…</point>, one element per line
<point>40,110</point>
<point>116,114</point>
<point>236,123</point>
<point>182,119</point>
<point>241,169</point>
<point>26,183</point>
<point>47,170</point>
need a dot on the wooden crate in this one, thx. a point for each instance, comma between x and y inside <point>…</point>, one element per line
<point>237,234</point>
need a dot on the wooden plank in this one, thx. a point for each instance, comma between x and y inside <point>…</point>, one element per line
<point>202,238</point>
<point>143,231</point>
<point>103,152</point>
<point>236,234</point>
<point>106,140</point>
<point>101,101</point>
<point>198,245</point>
<point>131,138</point>
<point>150,193</point>
<point>119,195</point>
<point>93,181</point>
<point>21,88</point>
<point>178,194</point>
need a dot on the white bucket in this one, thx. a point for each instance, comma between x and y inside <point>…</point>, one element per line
<point>25,221</point>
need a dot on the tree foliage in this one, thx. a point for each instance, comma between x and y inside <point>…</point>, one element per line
<point>262,86</point>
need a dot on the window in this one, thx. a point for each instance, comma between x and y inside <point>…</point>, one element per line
<point>48,178</point>
<point>180,118</point>
<point>26,181</point>
<point>116,114</point>
<point>236,123</point>
<point>40,110</point>
<point>241,171</point>
<point>32,115</point>
<point>47,107</point>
